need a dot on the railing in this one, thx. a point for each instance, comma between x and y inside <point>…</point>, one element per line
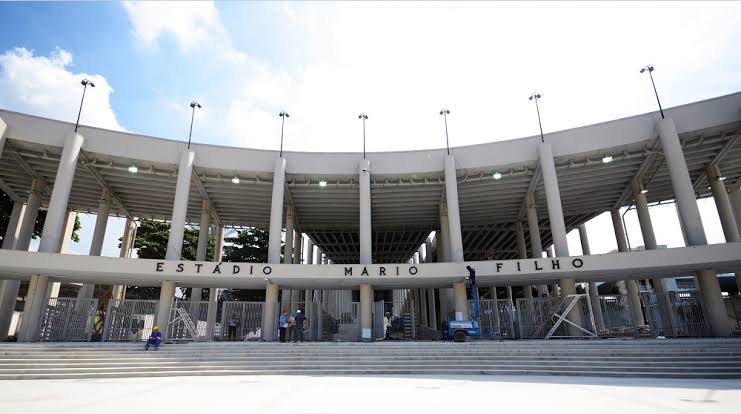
<point>68,319</point>
<point>554,317</point>
<point>617,316</point>
<point>129,319</point>
<point>248,317</point>
<point>499,324</point>
<point>675,314</point>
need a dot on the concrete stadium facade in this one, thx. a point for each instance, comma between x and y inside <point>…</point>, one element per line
<point>369,221</point>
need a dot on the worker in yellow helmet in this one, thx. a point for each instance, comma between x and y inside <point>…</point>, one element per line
<point>154,339</point>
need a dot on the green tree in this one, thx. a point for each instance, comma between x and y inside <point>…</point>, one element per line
<point>250,245</point>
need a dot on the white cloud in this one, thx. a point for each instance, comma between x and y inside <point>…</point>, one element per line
<point>191,24</point>
<point>45,86</point>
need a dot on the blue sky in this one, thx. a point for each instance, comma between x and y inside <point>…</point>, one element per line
<point>399,62</point>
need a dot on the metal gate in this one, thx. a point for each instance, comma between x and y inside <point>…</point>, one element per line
<point>337,316</point>
<point>555,317</point>
<point>190,323</point>
<point>68,319</point>
<point>248,318</point>
<point>129,319</point>
<point>309,310</point>
<point>617,316</point>
<point>402,322</point>
<point>675,314</point>
<point>495,324</point>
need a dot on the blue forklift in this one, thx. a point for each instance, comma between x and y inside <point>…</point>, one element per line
<point>459,331</point>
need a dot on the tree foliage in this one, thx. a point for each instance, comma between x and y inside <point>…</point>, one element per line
<point>250,245</point>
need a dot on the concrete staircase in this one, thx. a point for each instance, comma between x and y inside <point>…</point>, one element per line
<point>669,358</point>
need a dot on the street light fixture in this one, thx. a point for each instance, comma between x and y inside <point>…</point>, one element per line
<point>534,97</point>
<point>283,115</point>
<point>84,84</point>
<point>444,112</point>
<point>193,105</point>
<point>363,116</point>
<point>650,68</point>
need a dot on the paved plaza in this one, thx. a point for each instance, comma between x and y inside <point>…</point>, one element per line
<point>372,394</point>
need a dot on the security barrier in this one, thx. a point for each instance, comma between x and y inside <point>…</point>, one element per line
<point>617,315</point>
<point>129,319</point>
<point>400,319</point>
<point>189,324</point>
<point>555,317</point>
<point>495,325</point>
<point>68,319</point>
<point>338,318</point>
<point>675,314</point>
<point>248,319</point>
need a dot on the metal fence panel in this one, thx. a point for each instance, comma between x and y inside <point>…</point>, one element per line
<point>248,316</point>
<point>68,319</point>
<point>617,315</point>
<point>675,314</point>
<point>495,325</point>
<point>733,311</point>
<point>402,322</point>
<point>338,318</point>
<point>555,317</point>
<point>308,309</point>
<point>194,316</point>
<point>129,319</point>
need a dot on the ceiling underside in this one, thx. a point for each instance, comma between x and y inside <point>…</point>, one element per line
<point>405,209</point>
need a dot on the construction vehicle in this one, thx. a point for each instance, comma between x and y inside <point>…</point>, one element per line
<point>460,330</point>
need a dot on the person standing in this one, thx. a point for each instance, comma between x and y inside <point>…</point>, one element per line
<point>282,325</point>
<point>298,331</point>
<point>232,322</point>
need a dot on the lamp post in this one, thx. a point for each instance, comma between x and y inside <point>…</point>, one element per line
<point>363,116</point>
<point>534,97</point>
<point>444,112</point>
<point>650,68</point>
<point>193,105</point>
<point>283,115</point>
<point>84,84</point>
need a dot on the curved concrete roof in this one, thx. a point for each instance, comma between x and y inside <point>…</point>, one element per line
<point>407,186</point>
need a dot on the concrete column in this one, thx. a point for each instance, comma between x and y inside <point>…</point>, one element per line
<point>725,211</point>
<point>446,294</point>
<point>52,290</point>
<point>11,233</point>
<point>297,246</point>
<point>288,248</point>
<point>175,240</point>
<point>9,288</point>
<point>423,307</point>
<point>536,246</point>
<point>36,298</point>
<point>202,248</point>
<point>87,290</point>
<point>689,216</point>
<point>431,311</point>
<point>3,131</point>
<point>317,256</point>
<point>276,229</point>
<point>366,306</point>
<point>558,228</point>
<point>366,248</point>
<point>647,229</point>
<point>213,292</point>
<point>276,210</point>
<point>309,251</point>
<point>593,293</point>
<point>522,254</point>
<point>268,313</point>
<point>127,242</point>
<point>25,233</point>
<point>736,201</point>
<point>631,287</point>
<point>461,301</point>
<point>454,218</point>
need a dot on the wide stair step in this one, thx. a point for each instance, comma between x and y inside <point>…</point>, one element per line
<point>690,358</point>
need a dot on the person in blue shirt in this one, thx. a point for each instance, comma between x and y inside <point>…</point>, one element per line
<point>154,339</point>
<point>282,325</point>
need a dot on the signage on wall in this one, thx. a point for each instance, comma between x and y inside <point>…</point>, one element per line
<point>250,269</point>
